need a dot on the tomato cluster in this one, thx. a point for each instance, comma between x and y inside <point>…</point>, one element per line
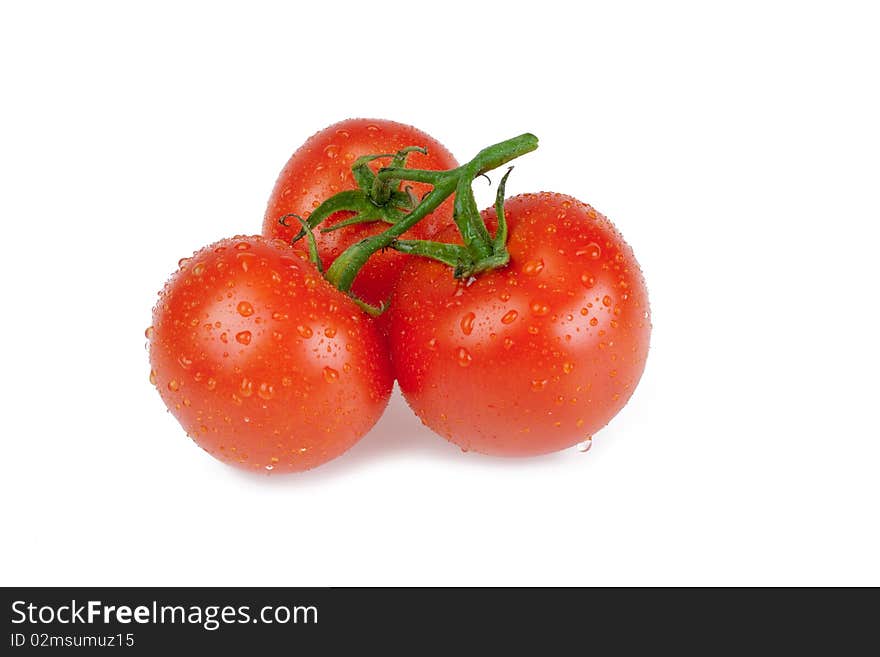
<point>271,355</point>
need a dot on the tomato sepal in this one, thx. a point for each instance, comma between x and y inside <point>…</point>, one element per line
<point>479,253</point>
<point>449,254</point>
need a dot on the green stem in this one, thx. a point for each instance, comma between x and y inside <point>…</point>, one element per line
<point>375,200</point>
<point>351,200</point>
<point>482,251</point>
<point>500,239</point>
<point>344,269</point>
<point>487,159</point>
<point>470,224</point>
<point>313,245</point>
<point>382,189</point>
<point>450,254</point>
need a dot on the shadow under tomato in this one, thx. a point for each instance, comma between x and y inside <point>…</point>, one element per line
<point>398,431</point>
<point>398,435</point>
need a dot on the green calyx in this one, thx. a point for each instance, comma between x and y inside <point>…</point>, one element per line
<point>489,252</point>
<point>380,199</point>
<point>375,199</point>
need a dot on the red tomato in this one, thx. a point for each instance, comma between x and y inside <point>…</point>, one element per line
<point>265,364</point>
<point>536,356</point>
<point>321,168</point>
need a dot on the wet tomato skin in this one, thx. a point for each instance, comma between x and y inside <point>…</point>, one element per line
<point>534,357</point>
<point>265,364</point>
<point>321,167</point>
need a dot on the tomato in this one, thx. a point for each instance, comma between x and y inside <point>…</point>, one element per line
<point>265,364</point>
<point>321,167</point>
<point>533,357</point>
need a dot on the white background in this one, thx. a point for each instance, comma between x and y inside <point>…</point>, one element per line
<point>736,148</point>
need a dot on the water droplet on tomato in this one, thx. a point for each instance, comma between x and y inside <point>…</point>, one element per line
<point>266,391</point>
<point>304,331</point>
<point>279,316</point>
<point>533,330</point>
<point>594,322</point>
<point>211,383</point>
<point>199,269</point>
<point>467,323</point>
<point>432,344</point>
<point>463,357</point>
<point>242,246</point>
<point>606,301</point>
<point>539,308</point>
<point>588,280</point>
<point>246,260</point>
<point>330,375</point>
<point>243,337</point>
<point>270,468</point>
<point>247,387</point>
<point>538,384</point>
<point>591,250</point>
<point>185,362</point>
<point>330,332</point>
<point>174,385</point>
<point>585,445</point>
<point>508,343</point>
<point>533,267</point>
<point>245,309</point>
<point>331,151</point>
<point>289,261</point>
<point>153,377</point>
<point>509,317</point>
<point>149,333</point>
<point>568,367</point>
